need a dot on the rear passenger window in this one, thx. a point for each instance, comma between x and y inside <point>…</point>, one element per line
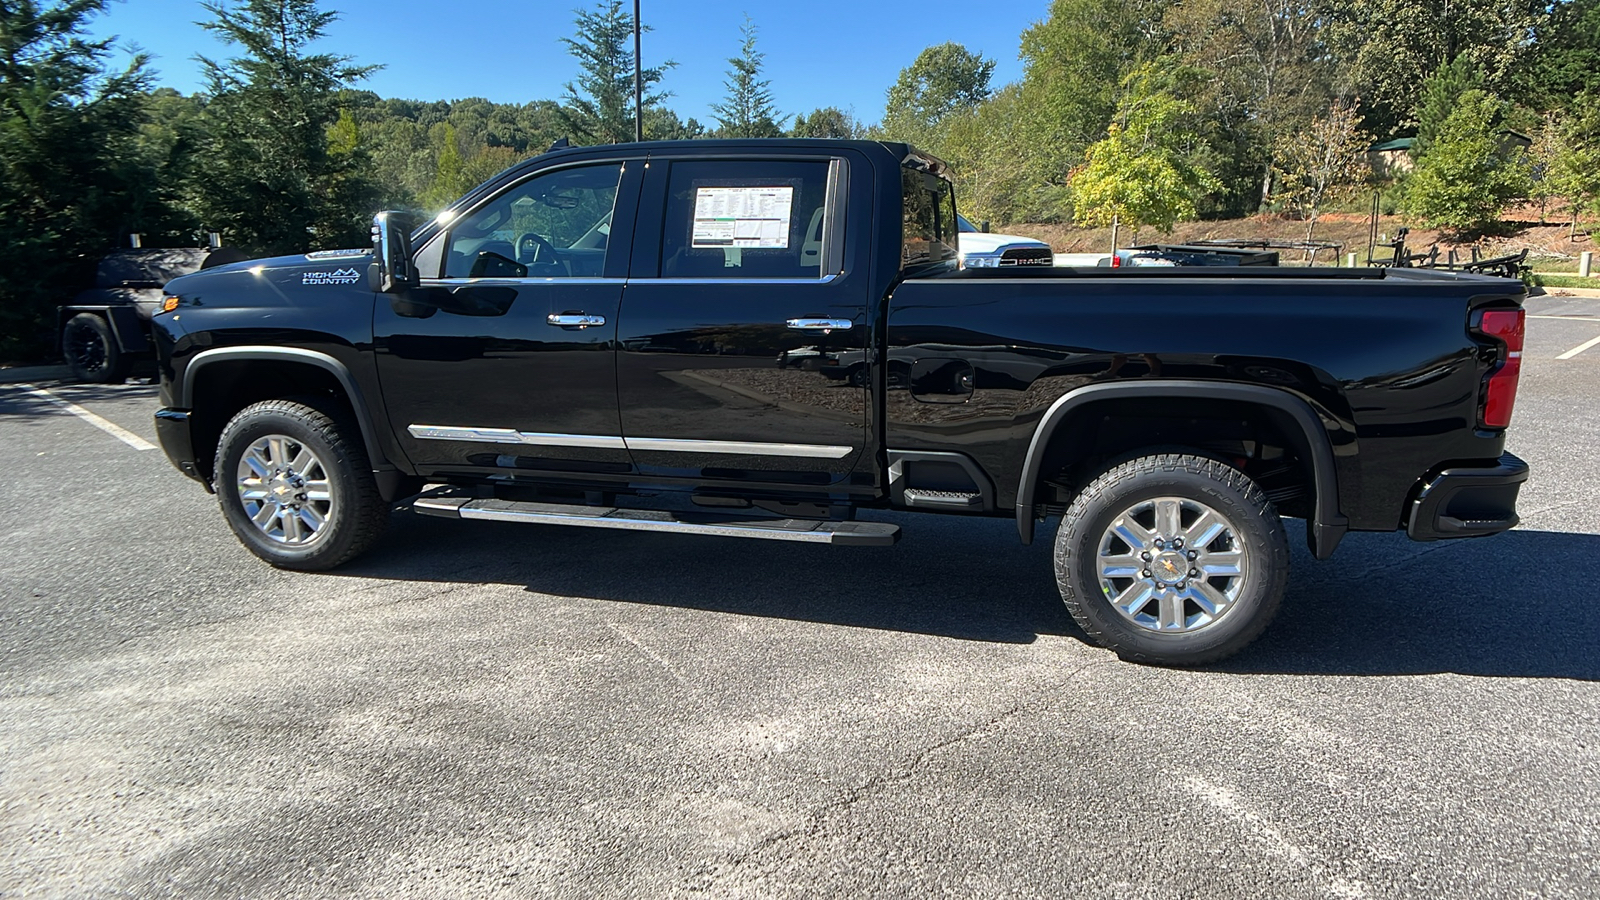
<point>745,219</point>
<point>928,220</point>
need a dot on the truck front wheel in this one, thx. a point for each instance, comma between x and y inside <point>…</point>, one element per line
<point>295,485</point>
<point>1172,559</point>
<point>92,352</point>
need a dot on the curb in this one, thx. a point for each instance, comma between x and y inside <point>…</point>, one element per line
<point>34,373</point>
<point>1590,293</point>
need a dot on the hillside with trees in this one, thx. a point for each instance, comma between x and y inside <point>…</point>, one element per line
<point>1152,113</point>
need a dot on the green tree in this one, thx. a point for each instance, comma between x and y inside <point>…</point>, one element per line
<point>1325,160</point>
<point>1074,61</point>
<point>168,139</point>
<point>942,81</point>
<point>489,162</point>
<point>1268,77</point>
<point>1471,172</point>
<point>662,124</point>
<point>450,178</point>
<point>1544,155</point>
<point>1387,48</point>
<point>826,122</point>
<point>746,111</point>
<point>1142,173</point>
<point>73,179</point>
<point>1575,165</point>
<point>269,176</point>
<point>1564,59</point>
<point>1441,92</point>
<point>599,105</point>
<point>986,148</point>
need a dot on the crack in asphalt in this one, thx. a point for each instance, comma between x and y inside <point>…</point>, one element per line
<point>709,877</point>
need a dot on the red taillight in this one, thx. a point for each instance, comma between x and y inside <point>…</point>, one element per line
<point>1116,260</point>
<point>1507,326</point>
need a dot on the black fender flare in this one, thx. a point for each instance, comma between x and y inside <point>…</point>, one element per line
<point>1327,526</point>
<point>131,332</point>
<point>358,402</point>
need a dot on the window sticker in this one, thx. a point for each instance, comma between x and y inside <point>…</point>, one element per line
<point>742,217</point>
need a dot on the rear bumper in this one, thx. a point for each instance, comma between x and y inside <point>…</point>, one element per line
<point>1468,501</point>
<point>172,432</point>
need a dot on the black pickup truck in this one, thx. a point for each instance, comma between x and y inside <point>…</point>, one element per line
<point>761,338</point>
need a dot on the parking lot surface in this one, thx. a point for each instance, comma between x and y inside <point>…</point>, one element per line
<point>478,709</point>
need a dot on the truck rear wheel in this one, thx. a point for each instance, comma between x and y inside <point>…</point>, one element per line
<point>92,352</point>
<point>1172,559</point>
<point>295,485</point>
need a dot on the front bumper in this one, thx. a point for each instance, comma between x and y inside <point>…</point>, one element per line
<point>1468,501</point>
<point>172,433</point>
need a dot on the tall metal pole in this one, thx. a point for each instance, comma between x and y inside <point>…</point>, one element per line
<point>638,79</point>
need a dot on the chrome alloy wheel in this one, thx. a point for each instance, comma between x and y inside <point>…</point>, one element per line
<point>1172,565</point>
<point>285,491</point>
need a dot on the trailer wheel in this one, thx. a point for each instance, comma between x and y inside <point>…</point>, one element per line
<point>92,352</point>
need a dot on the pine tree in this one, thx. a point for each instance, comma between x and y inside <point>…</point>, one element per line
<point>747,111</point>
<point>1440,94</point>
<point>599,105</point>
<point>269,177</point>
<point>72,179</point>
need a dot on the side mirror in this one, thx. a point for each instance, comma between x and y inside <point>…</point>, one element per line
<point>391,246</point>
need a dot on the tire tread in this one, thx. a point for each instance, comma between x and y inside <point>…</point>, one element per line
<point>1170,462</point>
<point>368,514</point>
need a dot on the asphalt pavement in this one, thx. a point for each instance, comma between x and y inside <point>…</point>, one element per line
<point>481,709</point>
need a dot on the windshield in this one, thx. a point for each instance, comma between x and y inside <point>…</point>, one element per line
<point>964,226</point>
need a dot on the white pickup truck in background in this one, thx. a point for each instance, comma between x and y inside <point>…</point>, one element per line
<point>982,250</point>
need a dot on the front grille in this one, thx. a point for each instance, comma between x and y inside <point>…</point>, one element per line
<point>1026,256</point>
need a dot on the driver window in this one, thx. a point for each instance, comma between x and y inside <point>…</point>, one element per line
<point>554,225</point>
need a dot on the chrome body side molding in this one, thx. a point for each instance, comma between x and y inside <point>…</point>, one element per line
<point>611,442</point>
<point>512,436</point>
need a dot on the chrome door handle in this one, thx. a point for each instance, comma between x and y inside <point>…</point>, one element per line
<point>574,320</point>
<point>810,323</point>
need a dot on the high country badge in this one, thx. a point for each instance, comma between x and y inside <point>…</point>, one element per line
<point>337,276</point>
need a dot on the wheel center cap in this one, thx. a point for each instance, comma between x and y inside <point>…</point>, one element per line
<point>284,489</point>
<point>1169,566</point>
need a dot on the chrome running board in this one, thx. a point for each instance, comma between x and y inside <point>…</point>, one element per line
<point>816,531</point>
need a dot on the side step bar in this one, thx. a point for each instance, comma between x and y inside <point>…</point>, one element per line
<point>843,534</point>
<point>921,498</point>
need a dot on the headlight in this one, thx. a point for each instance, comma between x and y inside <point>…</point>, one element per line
<point>981,262</point>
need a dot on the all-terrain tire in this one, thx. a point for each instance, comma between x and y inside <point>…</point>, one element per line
<point>295,484</point>
<point>1135,529</point>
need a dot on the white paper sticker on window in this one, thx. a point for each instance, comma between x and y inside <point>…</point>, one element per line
<point>742,217</point>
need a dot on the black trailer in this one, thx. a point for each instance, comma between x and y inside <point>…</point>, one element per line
<point>106,329</point>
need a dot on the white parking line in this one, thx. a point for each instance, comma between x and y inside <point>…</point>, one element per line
<point>1580,348</point>
<point>1570,318</point>
<point>111,428</point>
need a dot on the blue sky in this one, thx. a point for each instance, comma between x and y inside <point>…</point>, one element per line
<point>842,53</point>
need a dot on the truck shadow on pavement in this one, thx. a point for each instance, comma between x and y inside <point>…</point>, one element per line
<point>1383,605</point>
<point>16,401</point>
<point>1516,605</point>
